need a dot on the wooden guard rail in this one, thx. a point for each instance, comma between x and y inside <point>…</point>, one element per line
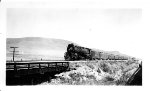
<point>32,65</point>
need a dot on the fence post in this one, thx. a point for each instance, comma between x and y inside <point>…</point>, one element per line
<point>48,65</point>
<point>28,66</point>
<point>39,66</point>
<point>15,68</point>
<point>56,64</point>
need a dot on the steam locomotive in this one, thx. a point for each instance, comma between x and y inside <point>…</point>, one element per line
<point>75,52</point>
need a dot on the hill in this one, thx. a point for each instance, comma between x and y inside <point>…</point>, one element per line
<point>36,48</point>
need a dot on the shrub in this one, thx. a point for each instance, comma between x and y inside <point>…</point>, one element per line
<point>75,76</point>
<point>105,67</point>
<point>91,66</point>
<point>109,78</point>
<point>123,79</point>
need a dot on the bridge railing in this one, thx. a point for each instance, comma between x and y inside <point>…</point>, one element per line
<point>32,65</point>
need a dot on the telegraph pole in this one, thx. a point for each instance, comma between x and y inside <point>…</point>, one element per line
<point>14,52</point>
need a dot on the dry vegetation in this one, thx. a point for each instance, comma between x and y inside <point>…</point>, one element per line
<point>100,72</point>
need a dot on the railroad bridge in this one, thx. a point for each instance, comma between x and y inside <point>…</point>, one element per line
<point>33,72</point>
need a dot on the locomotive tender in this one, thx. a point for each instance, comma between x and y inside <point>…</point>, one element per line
<point>75,52</point>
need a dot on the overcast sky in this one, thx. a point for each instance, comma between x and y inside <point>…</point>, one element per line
<point>105,29</point>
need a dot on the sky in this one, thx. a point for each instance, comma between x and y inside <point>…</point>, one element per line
<point>105,29</point>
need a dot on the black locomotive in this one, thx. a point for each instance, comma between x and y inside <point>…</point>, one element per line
<point>75,52</point>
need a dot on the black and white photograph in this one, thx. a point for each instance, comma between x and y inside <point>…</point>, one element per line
<point>42,46</point>
<point>74,45</point>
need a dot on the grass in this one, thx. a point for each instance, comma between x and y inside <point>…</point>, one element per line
<point>100,72</point>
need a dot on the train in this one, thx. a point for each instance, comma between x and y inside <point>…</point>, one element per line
<point>75,52</point>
